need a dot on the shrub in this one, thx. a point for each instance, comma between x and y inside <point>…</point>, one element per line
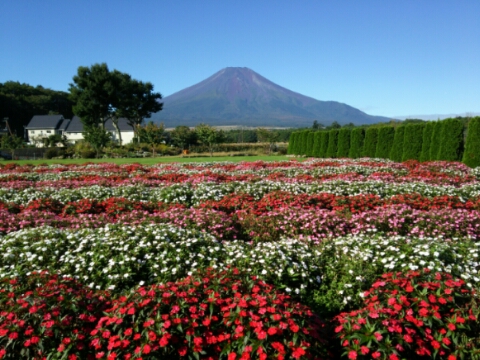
<point>51,153</point>
<point>371,139</point>
<point>436,140</point>
<point>324,143</point>
<point>332,147</point>
<point>357,138</point>
<point>412,141</point>
<point>406,316</point>
<point>451,145</point>
<point>396,152</point>
<point>209,314</point>
<point>385,142</point>
<point>427,141</point>
<point>471,156</point>
<point>343,142</point>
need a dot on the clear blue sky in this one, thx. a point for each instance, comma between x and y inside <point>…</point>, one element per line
<point>385,57</point>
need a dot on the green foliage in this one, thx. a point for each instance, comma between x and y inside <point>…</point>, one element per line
<point>397,148</point>
<point>385,142</point>
<point>436,140</point>
<point>151,134</point>
<point>427,141</point>
<point>310,142</point>
<point>11,142</point>
<point>97,137</point>
<point>471,156</point>
<point>209,136</point>
<point>371,139</point>
<point>323,143</point>
<point>302,145</point>
<point>182,137</point>
<point>452,144</point>
<point>412,141</point>
<point>356,143</point>
<point>344,135</point>
<point>332,147</point>
<point>291,143</point>
<point>317,143</point>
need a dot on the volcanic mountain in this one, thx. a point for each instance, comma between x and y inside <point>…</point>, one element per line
<point>240,96</point>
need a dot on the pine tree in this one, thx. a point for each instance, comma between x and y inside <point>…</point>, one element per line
<point>317,143</point>
<point>332,144</point>
<point>397,148</point>
<point>451,147</point>
<point>412,141</point>
<point>471,156</point>
<point>427,141</point>
<point>370,145</point>
<point>310,140</point>
<point>324,144</point>
<point>291,143</point>
<point>385,142</point>
<point>436,140</point>
<point>343,142</point>
<point>356,143</point>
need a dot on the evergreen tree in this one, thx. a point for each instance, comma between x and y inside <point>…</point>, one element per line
<point>370,145</point>
<point>324,143</point>
<point>310,140</point>
<point>357,138</point>
<point>412,141</point>
<point>385,142</point>
<point>427,141</point>
<point>436,140</point>
<point>317,143</point>
<point>451,146</point>
<point>303,142</point>
<point>343,142</point>
<point>471,156</point>
<point>332,147</point>
<point>397,148</point>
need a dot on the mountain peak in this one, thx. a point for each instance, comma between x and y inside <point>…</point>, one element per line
<point>240,96</point>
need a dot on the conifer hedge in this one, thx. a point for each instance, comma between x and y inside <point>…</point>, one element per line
<point>471,156</point>
<point>291,143</point>
<point>436,140</point>
<point>343,142</point>
<point>412,141</point>
<point>427,141</point>
<point>303,138</point>
<point>451,145</point>
<point>324,143</point>
<point>317,143</point>
<point>385,142</point>
<point>357,138</point>
<point>332,147</point>
<point>310,140</point>
<point>370,145</point>
<point>397,148</point>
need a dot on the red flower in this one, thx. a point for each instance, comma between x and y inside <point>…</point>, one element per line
<point>352,355</point>
<point>298,352</point>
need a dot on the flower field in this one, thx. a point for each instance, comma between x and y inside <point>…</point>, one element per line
<point>320,259</point>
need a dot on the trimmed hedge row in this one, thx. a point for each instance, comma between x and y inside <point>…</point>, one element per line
<point>429,141</point>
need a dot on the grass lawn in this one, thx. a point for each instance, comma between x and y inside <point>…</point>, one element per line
<point>151,161</point>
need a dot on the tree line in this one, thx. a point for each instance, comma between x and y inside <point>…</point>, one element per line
<point>453,139</point>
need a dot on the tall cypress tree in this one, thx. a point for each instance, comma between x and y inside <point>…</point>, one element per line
<point>324,144</point>
<point>471,156</point>
<point>356,143</point>
<point>427,141</point>
<point>385,142</point>
<point>397,148</point>
<point>332,147</point>
<point>436,140</point>
<point>291,143</point>
<point>370,145</point>
<point>343,142</point>
<point>317,143</point>
<point>303,142</point>
<point>412,141</point>
<point>451,147</point>
<point>310,140</point>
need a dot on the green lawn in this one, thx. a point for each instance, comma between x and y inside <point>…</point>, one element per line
<point>151,161</point>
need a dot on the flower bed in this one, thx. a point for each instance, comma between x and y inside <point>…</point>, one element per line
<point>139,253</point>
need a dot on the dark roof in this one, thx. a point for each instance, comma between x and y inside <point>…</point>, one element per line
<point>64,124</point>
<point>76,125</point>
<point>45,122</point>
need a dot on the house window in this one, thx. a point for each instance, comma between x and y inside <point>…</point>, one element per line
<point>33,131</point>
<point>48,131</point>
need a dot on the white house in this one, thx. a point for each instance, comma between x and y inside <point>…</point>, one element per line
<point>42,126</point>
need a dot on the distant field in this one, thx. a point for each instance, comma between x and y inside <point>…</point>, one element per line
<point>151,161</point>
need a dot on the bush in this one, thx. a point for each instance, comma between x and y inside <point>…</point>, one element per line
<point>451,145</point>
<point>385,142</point>
<point>343,142</point>
<point>471,156</point>
<point>396,152</point>
<point>51,153</point>
<point>370,145</point>
<point>332,147</point>
<point>427,141</point>
<point>412,141</point>
<point>356,143</point>
<point>419,313</point>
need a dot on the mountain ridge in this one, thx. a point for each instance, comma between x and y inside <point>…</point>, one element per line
<point>240,96</point>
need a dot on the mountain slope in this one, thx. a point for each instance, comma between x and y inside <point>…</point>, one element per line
<point>240,96</point>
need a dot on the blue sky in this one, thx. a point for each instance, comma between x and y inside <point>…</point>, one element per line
<point>384,57</point>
